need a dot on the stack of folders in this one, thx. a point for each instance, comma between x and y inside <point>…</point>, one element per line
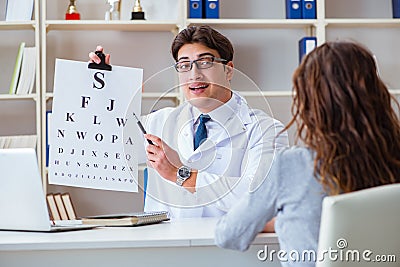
<point>18,141</point>
<point>23,78</point>
<point>128,219</point>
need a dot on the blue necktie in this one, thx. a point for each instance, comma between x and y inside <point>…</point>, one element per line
<point>201,133</point>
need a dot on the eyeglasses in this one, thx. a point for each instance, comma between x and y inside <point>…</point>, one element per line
<point>201,63</point>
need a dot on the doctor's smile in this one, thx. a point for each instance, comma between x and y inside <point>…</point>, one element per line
<point>198,88</point>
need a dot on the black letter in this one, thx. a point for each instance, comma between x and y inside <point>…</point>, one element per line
<point>99,80</point>
<point>85,101</point>
<point>69,117</point>
<point>81,135</point>
<point>60,133</point>
<point>114,138</point>
<point>121,121</point>
<point>95,120</point>
<point>98,137</point>
<point>111,107</point>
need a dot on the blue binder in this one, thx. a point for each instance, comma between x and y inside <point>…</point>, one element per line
<point>306,45</point>
<point>48,114</point>
<point>396,8</point>
<point>293,9</point>
<point>195,9</point>
<point>145,179</point>
<point>212,9</point>
<point>309,9</point>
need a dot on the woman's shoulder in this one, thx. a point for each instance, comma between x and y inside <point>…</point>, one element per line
<point>294,151</point>
<point>295,154</point>
<point>296,169</point>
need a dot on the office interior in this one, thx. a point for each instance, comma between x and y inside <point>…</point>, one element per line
<point>266,53</point>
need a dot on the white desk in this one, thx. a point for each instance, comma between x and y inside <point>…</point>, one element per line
<point>187,242</point>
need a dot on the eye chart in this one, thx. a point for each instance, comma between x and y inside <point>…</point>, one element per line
<point>90,145</point>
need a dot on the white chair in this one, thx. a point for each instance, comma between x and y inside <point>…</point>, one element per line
<point>361,228</point>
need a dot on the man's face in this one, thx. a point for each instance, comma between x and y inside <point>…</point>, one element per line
<point>207,88</point>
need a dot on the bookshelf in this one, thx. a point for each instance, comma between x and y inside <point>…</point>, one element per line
<point>20,115</point>
<point>265,45</point>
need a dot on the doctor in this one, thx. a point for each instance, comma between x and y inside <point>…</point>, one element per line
<point>208,151</point>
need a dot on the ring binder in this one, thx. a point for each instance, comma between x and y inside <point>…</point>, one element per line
<point>396,8</point>
<point>102,65</point>
<point>293,9</point>
<point>306,45</point>
<point>195,9</point>
<point>212,9</point>
<point>309,9</point>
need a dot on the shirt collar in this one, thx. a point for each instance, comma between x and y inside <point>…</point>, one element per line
<point>220,114</point>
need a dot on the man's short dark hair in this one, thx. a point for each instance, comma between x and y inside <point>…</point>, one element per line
<point>204,35</point>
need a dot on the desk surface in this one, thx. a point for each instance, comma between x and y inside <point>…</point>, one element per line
<point>169,244</point>
<point>174,233</point>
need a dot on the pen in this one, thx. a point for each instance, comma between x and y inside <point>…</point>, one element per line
<point>142,128</point>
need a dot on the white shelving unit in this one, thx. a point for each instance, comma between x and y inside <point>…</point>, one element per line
<point>18,25</point>
<point>101,25</point>
<point>19,97</point>
<point>19,114</point>
<point>266,51</point>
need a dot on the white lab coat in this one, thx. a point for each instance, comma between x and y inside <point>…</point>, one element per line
<point>228,162</point>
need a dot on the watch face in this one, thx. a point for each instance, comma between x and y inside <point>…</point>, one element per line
<point>184,172</point>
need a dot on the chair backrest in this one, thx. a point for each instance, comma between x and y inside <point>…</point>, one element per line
<point>361,228</point>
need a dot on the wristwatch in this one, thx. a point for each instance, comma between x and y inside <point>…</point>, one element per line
<point>182,175</point>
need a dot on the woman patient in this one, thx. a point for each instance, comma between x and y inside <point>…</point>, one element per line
<point>350,141</point>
